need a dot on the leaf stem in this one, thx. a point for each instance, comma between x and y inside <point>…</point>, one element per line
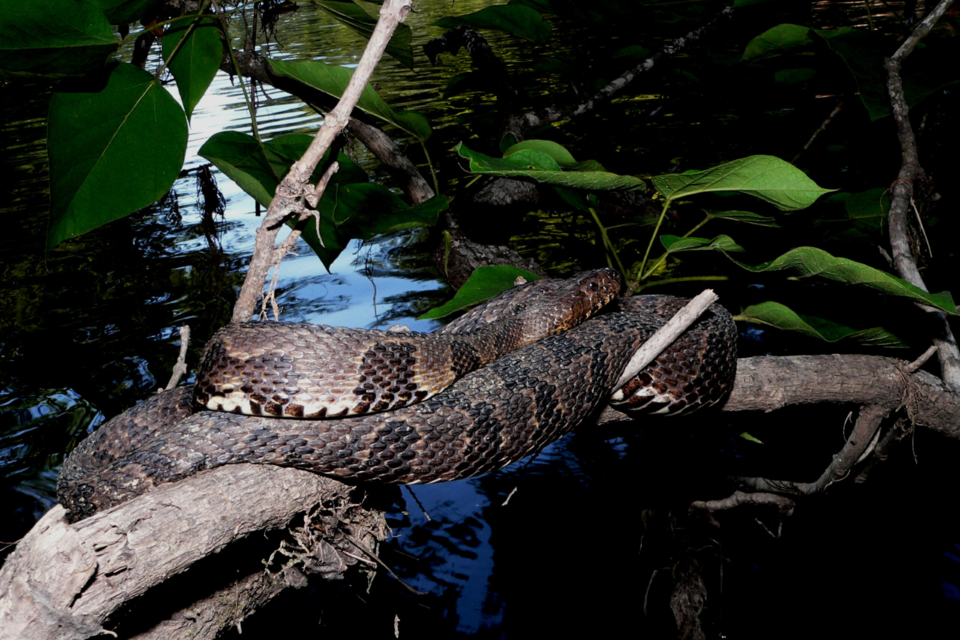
<point>607,243</point>
<point>653,237</point>
<point>684,279</point>
<point>433,174</point>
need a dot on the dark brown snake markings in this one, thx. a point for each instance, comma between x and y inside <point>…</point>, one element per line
<point>486,420</point>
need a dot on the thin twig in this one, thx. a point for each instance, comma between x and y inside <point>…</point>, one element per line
<point>665,335</point>
<point>180,367</point>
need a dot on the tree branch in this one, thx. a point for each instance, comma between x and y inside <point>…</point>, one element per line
<point>295,185</point>
<point>902,197</point>
<point>518,125</point>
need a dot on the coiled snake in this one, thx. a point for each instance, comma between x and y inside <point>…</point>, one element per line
<point>486,419</point>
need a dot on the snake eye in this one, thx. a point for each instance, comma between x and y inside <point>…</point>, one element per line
<point>592,286</point>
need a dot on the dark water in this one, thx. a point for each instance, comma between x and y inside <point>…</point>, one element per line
<point>595,523</point>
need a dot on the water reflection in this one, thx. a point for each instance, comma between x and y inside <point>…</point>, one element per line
<point>90,328</point>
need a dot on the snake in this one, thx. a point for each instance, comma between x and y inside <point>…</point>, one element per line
<point>510,406</point>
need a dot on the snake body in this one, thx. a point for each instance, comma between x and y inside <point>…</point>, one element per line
<point>301,370</point>
<point>489,418</point>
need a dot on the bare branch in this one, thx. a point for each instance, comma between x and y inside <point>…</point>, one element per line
<point>180,367</point>
<point>294,186</point>
<point>863,437</point>
<point>518,125</point>
<point>902,193</point>
<point>665,335</point>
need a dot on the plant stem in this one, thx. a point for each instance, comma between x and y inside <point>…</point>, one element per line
<point>685,279</point>
<point>653,237</point>
<point>607,244</point>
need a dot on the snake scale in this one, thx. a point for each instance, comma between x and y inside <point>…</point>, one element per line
<point>488,418</point>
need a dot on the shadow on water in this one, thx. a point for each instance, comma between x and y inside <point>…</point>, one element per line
<point>595,524</point>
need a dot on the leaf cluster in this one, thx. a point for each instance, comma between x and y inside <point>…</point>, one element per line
<point>117,142</point>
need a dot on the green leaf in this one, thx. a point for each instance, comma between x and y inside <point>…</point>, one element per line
<point>746,217</point>
<point>810,261</point>
<point>869,207</point>
<point>333,81</point>
<point>794,76</point>
<point>350,207</point>
<point>112,152</point>
<point>560,155</point>
<point>783,38</point>
<point>674,244</point>
<point>745,435</point>
<point>366,209</point>
<point>259,167</point>
<point>196,61</point>
<point>126,11</point>
<point>514,19</point>
<point>56,38</point>
<point>483,284</point>
<point>541,167</point>
<point>355,18</point>
<point>863,53</point>
<point>765,177</point>
<point>777,315</point>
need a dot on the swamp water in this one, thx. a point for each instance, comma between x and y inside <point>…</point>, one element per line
<point>91,327</point>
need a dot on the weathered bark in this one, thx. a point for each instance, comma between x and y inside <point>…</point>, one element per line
<point>69,581</point>
<point>768,383</point>
<point>902,197</point>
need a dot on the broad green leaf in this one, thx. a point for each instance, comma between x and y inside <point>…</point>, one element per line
<point>778,40</point>
<point>483,284</point>
<point>747,217</point>
<point>333,81</point>
<point>126,11</point>
<point>869,207</point>
<point>923,73</point>
<point>350,207</point>
<point>514,19</point>
<point>586,165</point>
<point>366,209</point>
<point>539,166</point>
<point>258,167</point>
<point>112,152</point>
<point>57,38</point>
<point>765,177</point>
<point>863,53</point>
<point>810,261</point>
<point>197,59</point>
<point>794,76</point>
<point>560,155</point>
<point>674,244</point>
<point>543,6</point>
<point>777,315</point>
<point>355,18</point>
